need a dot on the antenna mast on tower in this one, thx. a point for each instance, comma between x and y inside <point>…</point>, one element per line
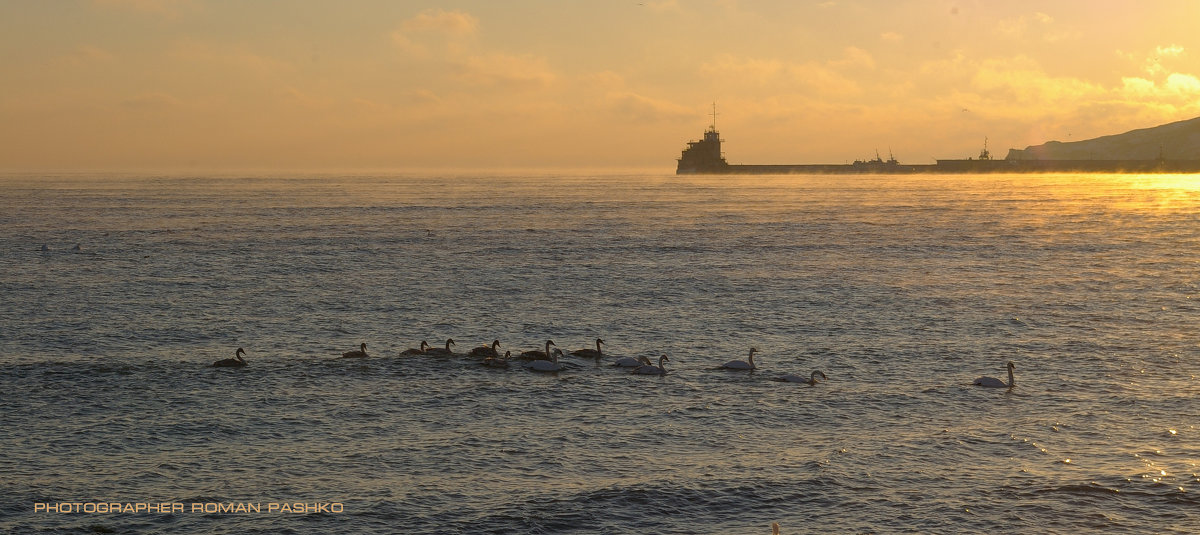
<point>714,115</point>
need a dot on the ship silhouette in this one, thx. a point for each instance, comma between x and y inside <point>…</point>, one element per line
<point>704,156</point>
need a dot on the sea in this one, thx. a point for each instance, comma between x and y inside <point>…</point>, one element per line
<point>119,292</point>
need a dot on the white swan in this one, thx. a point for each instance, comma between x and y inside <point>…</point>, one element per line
<point>537,355</point>
<point>742,364</point>
<point>551,365</point>
<point>485,351</point>
<point>590,353</point>
<point>661,369</point>
<point>441,350</point>
<point>359,353</point>
<point>630,362</point>
<point>992,382</point>
<point>498,362</point>
<point>234,362</point>
<point>812,379</point>
<point>411,351</point>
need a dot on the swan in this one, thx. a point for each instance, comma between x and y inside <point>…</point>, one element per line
<point>441,350</point>
<point>590,353</point>
<point>485,351</point>
<point>992,382</point>
<point>630,362</point>
<point>537,355</point>
<point>551,365</point>
<point>812,379</point>
<point>234,362</point>
<point>742,364</point>
<point>653,370</point>
<point>356,354</point>
<point>501,362</point>
<point>411,351</point>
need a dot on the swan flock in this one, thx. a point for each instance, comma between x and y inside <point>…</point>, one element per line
<point>547,360</point>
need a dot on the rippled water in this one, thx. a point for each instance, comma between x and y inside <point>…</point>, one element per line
<point>902,289</point>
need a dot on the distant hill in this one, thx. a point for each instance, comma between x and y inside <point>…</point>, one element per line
<point>1174,141</point>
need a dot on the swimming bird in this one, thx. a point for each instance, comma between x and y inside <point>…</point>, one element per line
<point>992,382</point>
<point>234,362</point>
<point>542,365</point>
<point>812,379</point>
<point>441,350</point>
<point>661,369</point>
<point>537,355</point>
<point>630,362</point>
<point>412,351</point>
<point>590,353</point>
<point>359,353</point>
<point>501,362</point>
<point>485,351</point>
<point>742,364</point>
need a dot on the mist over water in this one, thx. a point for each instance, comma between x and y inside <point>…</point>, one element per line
<point>902,289</point>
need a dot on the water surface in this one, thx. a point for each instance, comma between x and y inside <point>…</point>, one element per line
<point>902,289</point>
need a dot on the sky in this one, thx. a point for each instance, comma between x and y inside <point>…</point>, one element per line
<point>553,84</point>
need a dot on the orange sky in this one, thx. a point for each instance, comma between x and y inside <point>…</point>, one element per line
<point>319,85</point>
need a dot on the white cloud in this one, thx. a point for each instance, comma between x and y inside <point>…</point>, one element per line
<point>1169,51</point>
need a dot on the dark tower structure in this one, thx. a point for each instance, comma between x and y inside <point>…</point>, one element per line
<point>704,156</point>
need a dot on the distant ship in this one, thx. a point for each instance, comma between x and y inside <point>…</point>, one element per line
<point>704,157</point>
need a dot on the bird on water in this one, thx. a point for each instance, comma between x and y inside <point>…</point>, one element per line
<point>747,364</point>
<point>992,382</point>
<point>237,362</point>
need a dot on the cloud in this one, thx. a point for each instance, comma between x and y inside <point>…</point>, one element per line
<point>891,36</point>
<point>1183,84</point>
<point>407,45</point>
<point>1175,86</point>
<point>1024,82</point>
<point>497,69</point>
<point>1169,51</point>
<point>1033,26</point>
<point>819,77</point>
<point>854,58</point>
<point>439,21</point>
<point>434,28</point>
<point>636,108</point>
